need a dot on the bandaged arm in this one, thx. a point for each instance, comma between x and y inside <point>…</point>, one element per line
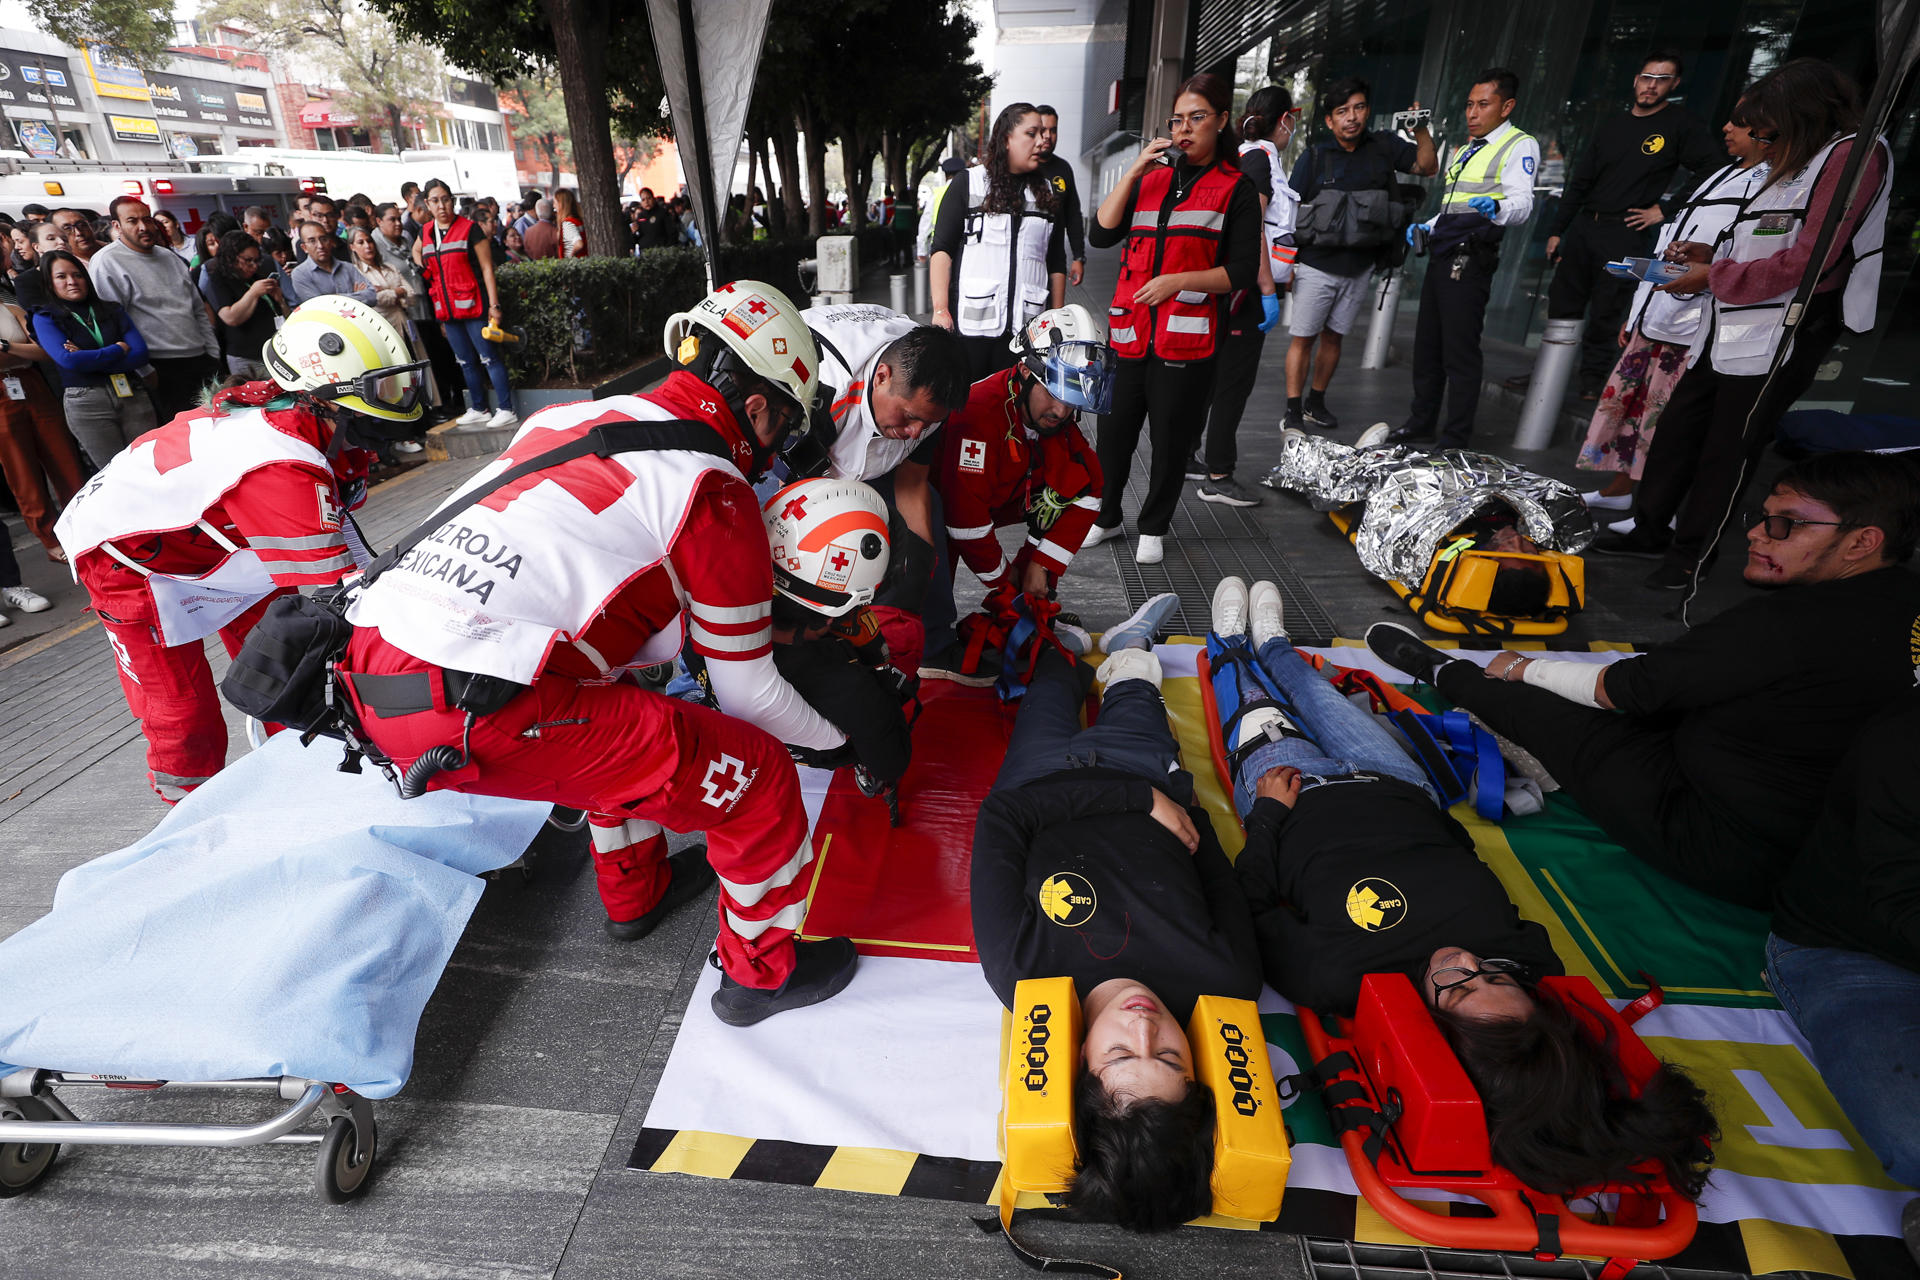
<point>1580,682</point>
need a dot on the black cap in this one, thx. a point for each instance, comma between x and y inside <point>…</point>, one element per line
<point>952,165</point>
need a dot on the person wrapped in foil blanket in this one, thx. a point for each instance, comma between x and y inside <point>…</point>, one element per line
<point>1416,502</point>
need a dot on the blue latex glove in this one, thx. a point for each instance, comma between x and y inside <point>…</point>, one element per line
<point>1418,226</point>
<point>1484,205</point>
<point>1270,303</point>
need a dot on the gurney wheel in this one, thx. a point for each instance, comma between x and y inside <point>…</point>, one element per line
<point>337,1174</point>
<point>23,1164</point>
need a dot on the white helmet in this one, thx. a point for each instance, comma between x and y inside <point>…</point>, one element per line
<point>761,326</point>
<point>337,349</point>
<point>1063,348</point>
<point>829,542</point>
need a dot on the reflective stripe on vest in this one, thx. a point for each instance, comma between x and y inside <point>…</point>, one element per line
<point>1478,174</point>
<point>453,279</point>
<point>1168,238</point>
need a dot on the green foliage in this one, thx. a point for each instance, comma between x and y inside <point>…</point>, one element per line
<point>137,30</point>
<point>585,318</point>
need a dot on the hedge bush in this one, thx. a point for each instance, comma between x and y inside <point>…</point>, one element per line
<point>583,318</point>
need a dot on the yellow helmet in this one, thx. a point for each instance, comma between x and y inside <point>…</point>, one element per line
<point>337,349</point>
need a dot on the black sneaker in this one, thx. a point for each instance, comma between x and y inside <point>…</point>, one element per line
<point>1291,421</point>
<point>692,876</point>
<point>1320,417</point>
<point>1227,491</point>
<point>1196,469</point>
<point>821,971</point>
<point>1637,545</point>
<point>1400,647</point>
<point>1410,435</point>
<point>951,664</point>
<point>1672,575</point>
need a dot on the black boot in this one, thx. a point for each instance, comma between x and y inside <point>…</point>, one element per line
<point>821,970</point>
<point>1395,644</point>
<point>692,876</point>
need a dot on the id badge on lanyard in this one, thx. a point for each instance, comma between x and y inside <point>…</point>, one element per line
<point>121,384</point>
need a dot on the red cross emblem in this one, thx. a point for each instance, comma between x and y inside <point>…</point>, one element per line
<point>726,778</point>
<point>596,482</point>
<point>840,561</point>
<point>758,307</point>
<point>973,456</point>
<point>170,448</point>
<point>796,509</point>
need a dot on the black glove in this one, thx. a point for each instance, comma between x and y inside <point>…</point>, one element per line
<point>837,758</point>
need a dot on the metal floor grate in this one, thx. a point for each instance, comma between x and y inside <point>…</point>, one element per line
<point>1207,542</point>
<point>1349,1260</point>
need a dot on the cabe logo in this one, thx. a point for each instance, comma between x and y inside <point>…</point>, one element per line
<point>1037,1036</point>
<point>1238,1076</point>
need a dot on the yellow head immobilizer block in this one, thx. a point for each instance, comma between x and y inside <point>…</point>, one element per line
<point>1229,1056</point>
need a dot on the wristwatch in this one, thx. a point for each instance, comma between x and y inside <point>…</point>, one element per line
<point>5,346</point>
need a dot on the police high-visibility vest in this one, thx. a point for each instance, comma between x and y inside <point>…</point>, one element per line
<point>1283,208</point>
<point>1166,237</point>
<point>1745,335</point>
<point>1478,174</point>
<point>1003,264</point>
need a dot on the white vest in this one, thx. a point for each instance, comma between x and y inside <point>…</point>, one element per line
<point>148,489</point>
<point>492,591</point>
<point>1667,317</point>
<point>851,339</point>
<point>1745,335</point>
<point>1283,207</point>
<point>1003,265</point>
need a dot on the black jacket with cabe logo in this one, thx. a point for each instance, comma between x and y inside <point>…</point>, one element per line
<point>1369,876</point>
<point>1073,877</point>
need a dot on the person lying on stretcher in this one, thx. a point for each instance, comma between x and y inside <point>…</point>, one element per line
<point>1521,586</point>
<point>1351,868</point>
<point>1090,861</point>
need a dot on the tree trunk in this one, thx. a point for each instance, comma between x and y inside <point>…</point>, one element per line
<point>776,208</point>
<point>578,30</point>
<point>552,145</point>
<point>893,149</point>
<point>786,149</point>
<point>809,123</point>
<point>856,161</point>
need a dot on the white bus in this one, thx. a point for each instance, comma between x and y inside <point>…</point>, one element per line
<point>344,173</point>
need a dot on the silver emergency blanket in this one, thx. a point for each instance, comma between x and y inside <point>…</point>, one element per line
<point>1415,499</point>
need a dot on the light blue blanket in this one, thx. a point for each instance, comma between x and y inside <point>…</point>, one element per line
<point>285,919</point>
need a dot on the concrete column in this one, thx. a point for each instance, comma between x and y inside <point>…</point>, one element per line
<point>1166,61</point>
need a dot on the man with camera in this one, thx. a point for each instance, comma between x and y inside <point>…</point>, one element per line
<point>1489,187</point>
<point>1347,218</point>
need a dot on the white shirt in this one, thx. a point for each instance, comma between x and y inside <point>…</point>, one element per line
<point>1516,176</point>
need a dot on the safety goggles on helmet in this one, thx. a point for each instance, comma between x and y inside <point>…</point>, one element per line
<point>1079,373</point>
<point>396,387</point>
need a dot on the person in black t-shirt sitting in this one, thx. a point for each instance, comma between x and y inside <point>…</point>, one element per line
<point>1091,861</point>
<point>1351,867</point>
<point>1717,769</point>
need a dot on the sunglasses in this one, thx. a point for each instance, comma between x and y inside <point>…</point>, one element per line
<point>1780,528</point>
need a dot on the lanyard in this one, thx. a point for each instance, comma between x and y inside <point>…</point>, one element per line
<point>92,326</point>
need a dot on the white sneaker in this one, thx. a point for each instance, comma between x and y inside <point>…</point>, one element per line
<point>1269,615</point>
<point>1374,435</point>
<point>25,599</point>
<point>1606,502</point>
<point>1230,607</point>
<point>5,621</point>
<point>471,418</point>
<point>1149,549</point>
<point>503,418</point>
<point>1099,533</point>
<point>1623,526</point>
<point>407,446</point>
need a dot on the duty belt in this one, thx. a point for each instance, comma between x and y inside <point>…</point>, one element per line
<point>403,695</point>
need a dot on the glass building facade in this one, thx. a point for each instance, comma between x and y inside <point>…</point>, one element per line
<point>1575,60</point>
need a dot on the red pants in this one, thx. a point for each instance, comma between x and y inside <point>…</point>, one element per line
<point>637,761</point>
<point>37,456</point>
<point>169,687</point>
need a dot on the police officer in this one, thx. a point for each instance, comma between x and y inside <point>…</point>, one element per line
<point>1613,204</point>
<point>1489,187</point>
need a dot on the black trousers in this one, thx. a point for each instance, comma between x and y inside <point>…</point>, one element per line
<point>1236,369</point>
<point>987,356</point>
<point>846,691</point>
<point>180,381</point>
<point>446,368</point>
<point>1170,399</point>
<point>1703,453</point>
<point>1582,286</point>
<point>1446,344</point>
<point>1622,773</point>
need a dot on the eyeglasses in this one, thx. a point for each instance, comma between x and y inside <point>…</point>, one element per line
<point>1192,121</point>
<point>1511,972</point>
<point>1780,528</point>
<point>1644,78</point>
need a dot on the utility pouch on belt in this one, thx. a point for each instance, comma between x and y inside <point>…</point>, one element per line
<point>284,673</point>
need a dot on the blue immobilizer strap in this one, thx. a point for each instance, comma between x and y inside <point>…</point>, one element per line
<point>1472,743</point>
<point>1012,682</point>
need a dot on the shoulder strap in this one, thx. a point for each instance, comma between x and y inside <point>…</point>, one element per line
<point>602,441</point>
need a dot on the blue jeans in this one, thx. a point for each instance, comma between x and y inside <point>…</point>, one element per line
<point>472,351</point>
<point>1131,734</point>
<point>1861,1017</point>
<point>1344,739</point>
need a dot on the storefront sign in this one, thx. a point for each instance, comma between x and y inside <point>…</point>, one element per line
<point>114,76</point>
<point>208,101</point>
<point>36,136</point>
<point>35,78</point>
<point>134,128</point>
